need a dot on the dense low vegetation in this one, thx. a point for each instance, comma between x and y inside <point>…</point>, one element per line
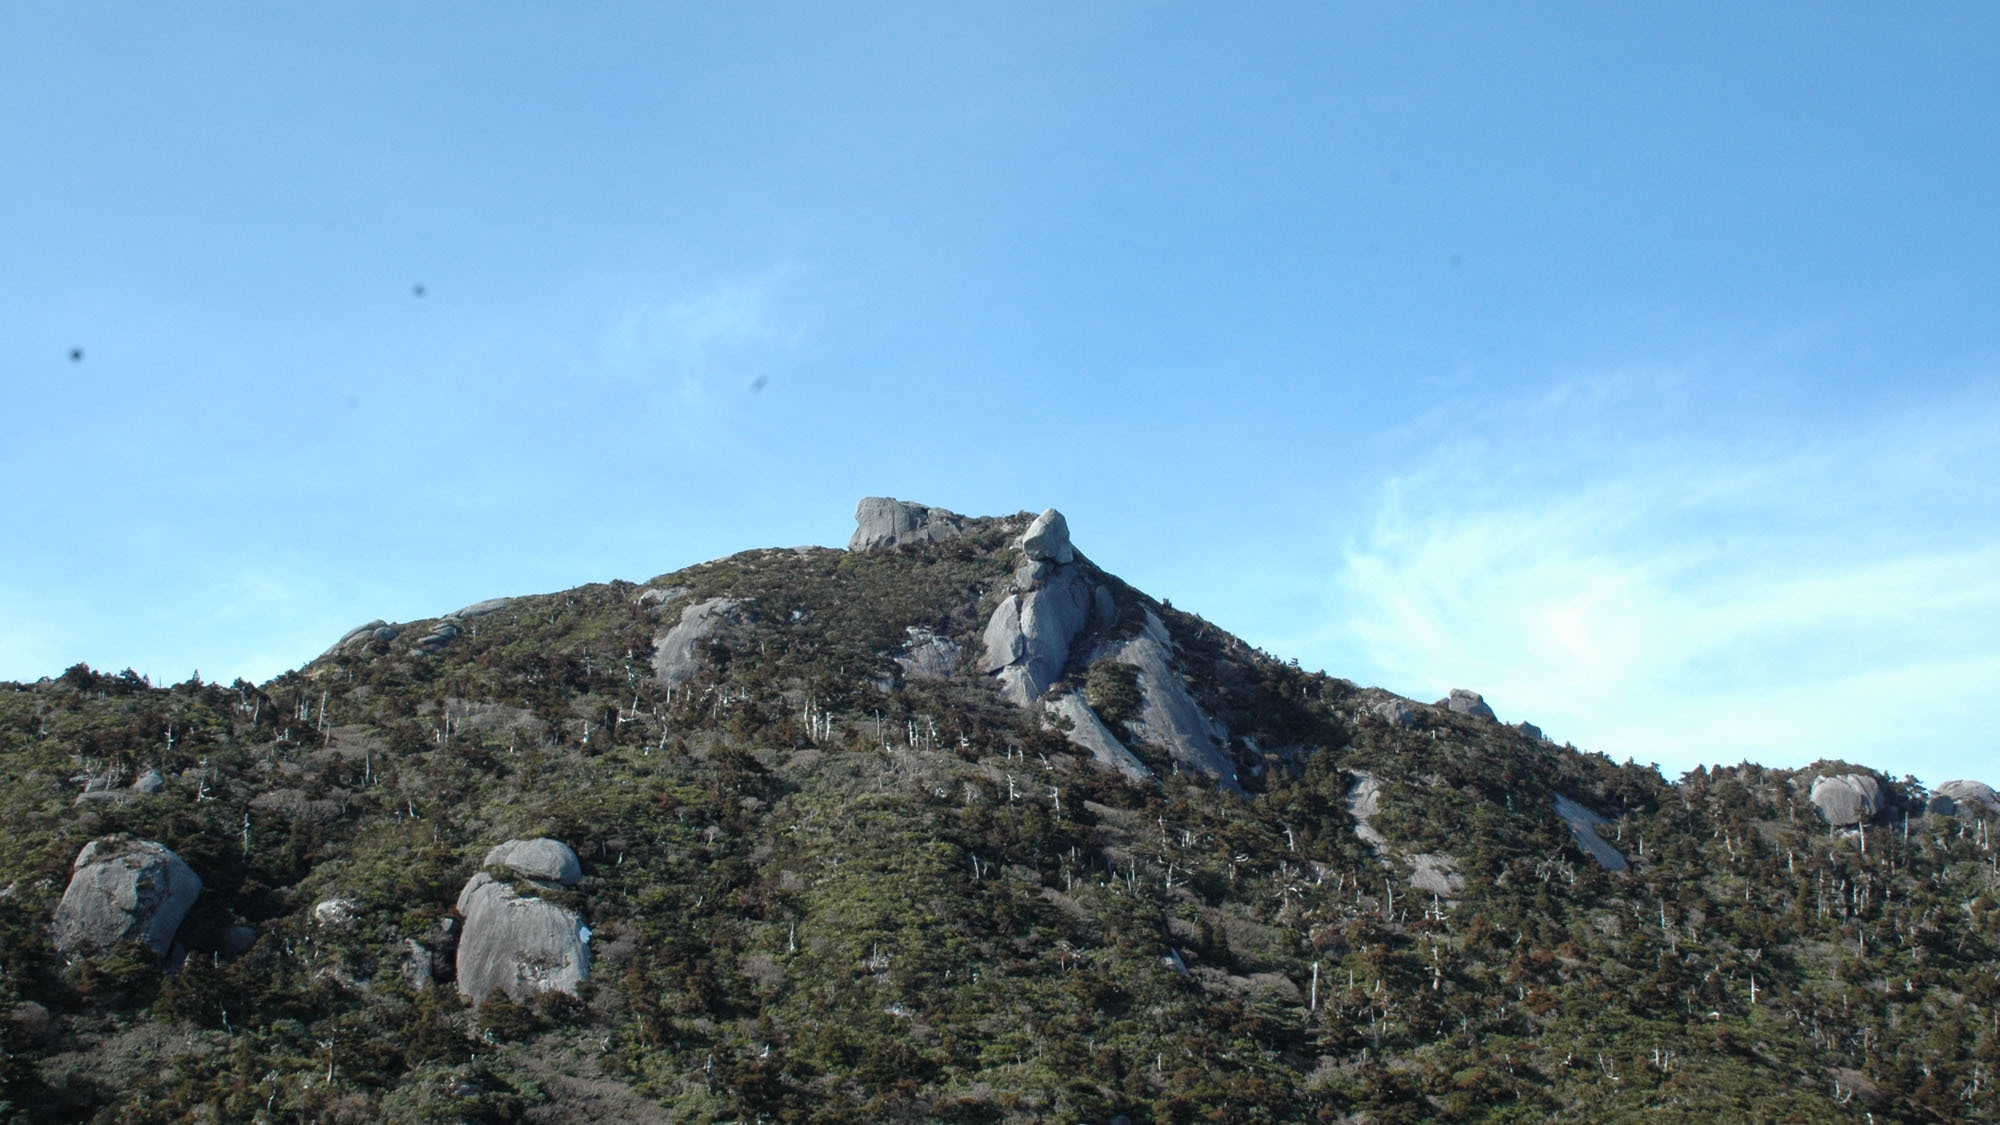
<point>819,892</point>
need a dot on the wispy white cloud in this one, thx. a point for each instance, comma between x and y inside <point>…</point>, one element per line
<point>1697,597</point>
<point>694,353</point>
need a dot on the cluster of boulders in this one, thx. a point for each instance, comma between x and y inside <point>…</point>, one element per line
<point>513,939</point>
<point>1849,800</point>
<point>441,633</point>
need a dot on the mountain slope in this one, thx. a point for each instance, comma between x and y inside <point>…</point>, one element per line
<point>952,825</point>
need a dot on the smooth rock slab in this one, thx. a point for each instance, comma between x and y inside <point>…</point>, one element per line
<point>1583,824</point>
<point>1169,715</point>
<point>550,861</point>
<point>1847,799</point>
<point>520,945</point>
<point>674,651</point>
<point>122,889</point>
<point>1088,732</point>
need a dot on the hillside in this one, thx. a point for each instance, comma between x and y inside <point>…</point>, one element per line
<point>948,826</point>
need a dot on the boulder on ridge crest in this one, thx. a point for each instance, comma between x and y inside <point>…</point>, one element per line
<point>1848,799</point>
<point>884,521</point>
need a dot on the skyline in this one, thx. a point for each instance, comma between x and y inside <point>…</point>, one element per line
<point>1635,369</point>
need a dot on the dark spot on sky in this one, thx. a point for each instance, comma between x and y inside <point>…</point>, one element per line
<point>76,355</point>
<point>1456,259</point>
<point>757,385</point>
<point>417,290</point>
<point>352,402</point>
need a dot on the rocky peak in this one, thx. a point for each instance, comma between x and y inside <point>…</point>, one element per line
<point>1047,539</point>
<point>884,521</point>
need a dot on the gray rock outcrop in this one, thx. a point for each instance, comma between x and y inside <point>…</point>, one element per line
<point>1583,825</point>
<point>1047,539</point>
<point>674,651</point>
<point>884,521</point>
<point>927,656</point>
<point>122,889</point>
<point>1848,799</point>
<point>434,641</point>
<point>149,781</point>
<point>1398,712</point>
<point>481,609</point>
<point>1964,798</point>
<point>1464,702</point>
<point>1438,874</point>
<point>1088,732</point>
<point>1027,640</point>
<point>541,859</point>
<point>1364,800</point>
<point>377,630</point>
<point>1169,716</point>
<point>520,944</point>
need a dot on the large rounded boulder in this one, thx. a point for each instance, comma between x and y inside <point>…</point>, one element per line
<point>542,859</point>
<point>1848,799</point>
<point>514,940</point>
<point>1964,798</point>
<point>123,889</point>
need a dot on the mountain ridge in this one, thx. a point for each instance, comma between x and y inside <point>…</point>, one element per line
<point>954,825</point>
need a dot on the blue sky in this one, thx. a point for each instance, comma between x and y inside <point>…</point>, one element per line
<point>1634,365</point>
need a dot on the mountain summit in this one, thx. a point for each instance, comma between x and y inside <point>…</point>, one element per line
<point>951,825</point>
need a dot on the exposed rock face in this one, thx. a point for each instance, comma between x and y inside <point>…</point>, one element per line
<point>1847,799</point>
<point>433,642</point>
<point>883,521</point>
<point>336,912</point>
<point>518,944</point>
<point>1047,539</point>
<point>1531,730</point>
<point>541,859</point>
<point>149,782</point>
<point>1088,732</point>
<point>377,630</point>
<point>1437,874</point>
<point>1970,798</point>
<point>927,656</point>
<point>1364,800</point>
<point>481,609</point>
<point>1583,825</point>
<point>1465,702</point>
<point>1169,716</point>
<point>122,889</point>
<point>1398,712</point>
<point>674,656</point>
<point>1028,637</point>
